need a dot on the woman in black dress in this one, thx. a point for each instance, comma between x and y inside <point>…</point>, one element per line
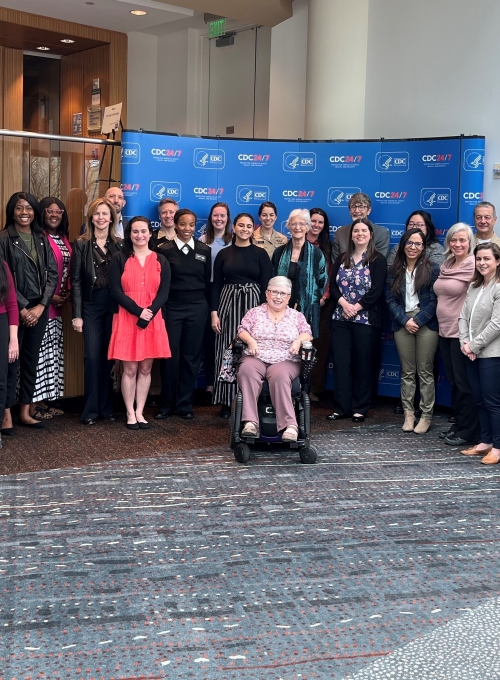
<point>241,273</point>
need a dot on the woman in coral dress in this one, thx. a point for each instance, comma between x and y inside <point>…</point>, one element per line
<point>139,280</point>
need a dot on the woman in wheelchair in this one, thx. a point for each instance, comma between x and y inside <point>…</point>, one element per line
<point>273,333</point>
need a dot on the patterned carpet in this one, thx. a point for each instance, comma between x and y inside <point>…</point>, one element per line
<point>379,562</point>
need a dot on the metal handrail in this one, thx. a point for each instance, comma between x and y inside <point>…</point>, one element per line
<point>59,138</point>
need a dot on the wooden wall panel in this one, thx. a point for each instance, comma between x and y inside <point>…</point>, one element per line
<point>12,148</point>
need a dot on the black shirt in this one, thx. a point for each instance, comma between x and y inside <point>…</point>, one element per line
<point>101,262</point>
<point>190,273</point>
<point>236,264</point>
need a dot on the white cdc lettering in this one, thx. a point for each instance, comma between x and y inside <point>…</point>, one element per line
<point>429,159</point>
<point>288,193</point>
<point>382,194</point>
<point>245,157</point>
<point>159,152</point>
<point>129,152</point>
<point>469,195</point>
<point>260,195</point>
<point>337,159</point>
<point>392,374</point>
<point>400,161</point>
<point>200,190</point>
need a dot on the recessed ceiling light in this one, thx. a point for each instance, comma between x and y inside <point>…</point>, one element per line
<point>43,49</point>
<point>67,40</point>
<point>138,12</point>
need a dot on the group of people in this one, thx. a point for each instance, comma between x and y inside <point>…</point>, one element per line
<point>138,295</point>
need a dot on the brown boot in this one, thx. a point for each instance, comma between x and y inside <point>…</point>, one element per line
<point>422,426</point>
<point>409,423</point>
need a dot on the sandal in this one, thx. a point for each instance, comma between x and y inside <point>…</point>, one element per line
<point>41,414</point>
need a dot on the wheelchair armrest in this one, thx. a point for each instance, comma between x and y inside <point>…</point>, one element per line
<point>238,347</point>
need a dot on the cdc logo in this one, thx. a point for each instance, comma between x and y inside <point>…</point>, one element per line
<point>436,199</point>
<point>201,227</point>
<point>131,152</point>
<point>209,159</point>
<point>389,374</point>
<point>301,161</point>
<point>474,160</point>
<point>161,190</point>
<point>399,161</point>
<point>250,194</point>
<point>339,197</point>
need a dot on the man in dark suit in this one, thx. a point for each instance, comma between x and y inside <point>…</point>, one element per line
<point>115,196</point>
<point>360,206</point>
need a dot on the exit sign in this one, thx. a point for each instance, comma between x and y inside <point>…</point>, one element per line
<point>216,29</point>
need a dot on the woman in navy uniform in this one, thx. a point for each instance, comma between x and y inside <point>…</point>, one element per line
<point>186,314</point>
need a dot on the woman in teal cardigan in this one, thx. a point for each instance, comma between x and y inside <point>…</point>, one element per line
<point>305,266</point>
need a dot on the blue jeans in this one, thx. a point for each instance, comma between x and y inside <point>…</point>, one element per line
<point>484,380</point>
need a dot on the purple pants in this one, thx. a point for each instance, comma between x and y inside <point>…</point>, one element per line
<point>252,372</point>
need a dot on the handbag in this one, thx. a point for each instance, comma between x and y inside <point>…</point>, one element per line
<point>230,360</point>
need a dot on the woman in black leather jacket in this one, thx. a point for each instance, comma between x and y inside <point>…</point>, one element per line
<point>26,250</point>
<point>93,306</point>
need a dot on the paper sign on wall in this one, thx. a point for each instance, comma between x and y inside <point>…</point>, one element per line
<point>111,120</point>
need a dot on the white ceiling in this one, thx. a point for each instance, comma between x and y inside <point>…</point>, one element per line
<point>113,15</point>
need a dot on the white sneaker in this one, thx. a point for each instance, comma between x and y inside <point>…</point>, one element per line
<point>290,434</point>
<point>250,429</point>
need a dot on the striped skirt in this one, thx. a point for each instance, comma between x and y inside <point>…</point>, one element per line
<point>235,301</point>
<point>50,370</point>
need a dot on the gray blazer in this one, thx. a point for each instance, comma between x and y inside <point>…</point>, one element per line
<point>381,235</point>
<point>485,321</point>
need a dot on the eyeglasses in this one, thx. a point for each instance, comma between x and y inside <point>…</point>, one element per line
<point>415,225</point>
<point>414,244</point>
<point>278,293</point>
<point>51,211</point>
<point>358,206</point>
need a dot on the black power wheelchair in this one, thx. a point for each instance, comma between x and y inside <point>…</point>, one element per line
<point>268,433</point>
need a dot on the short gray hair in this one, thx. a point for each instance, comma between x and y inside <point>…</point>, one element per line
<point>485,204</point>
<point>280,281</point>
<point>459,226</point>
<point>300,212</point>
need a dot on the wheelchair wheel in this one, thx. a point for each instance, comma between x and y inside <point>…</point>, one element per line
<point>231,424</point>
<point>308,456</point>
<point>242,452</point>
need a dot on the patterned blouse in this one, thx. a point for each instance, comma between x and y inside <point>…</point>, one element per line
<point>274,338</point>
<point>353,284</point>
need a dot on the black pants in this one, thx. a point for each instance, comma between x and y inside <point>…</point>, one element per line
<point>185,327</point>
<point>97,320</point>
<point>484,380</point>
<point>353,350</point>
<point>464,405</point>
<point>209,348</point>
<point>30,341</point>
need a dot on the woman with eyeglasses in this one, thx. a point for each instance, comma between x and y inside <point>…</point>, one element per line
<point>305,266</point>
<point>49,386</point>
<point>30,258</point>
<point>412,304</point>
<point>241,274</point>
<point>273,333</point>
<point>421,219</point>
<point>357,289</point>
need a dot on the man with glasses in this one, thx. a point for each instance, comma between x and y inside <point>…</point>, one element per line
<point>485,217</point>
<point>360,206</point>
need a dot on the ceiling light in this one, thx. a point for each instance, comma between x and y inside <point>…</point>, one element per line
<point>138,12</point>
<point>67,40</point>
<point>43,49</point>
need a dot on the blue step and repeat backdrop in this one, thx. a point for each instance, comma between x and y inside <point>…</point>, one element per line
<point>441,175</point>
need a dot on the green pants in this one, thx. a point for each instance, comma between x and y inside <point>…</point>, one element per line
<point>416,354</point>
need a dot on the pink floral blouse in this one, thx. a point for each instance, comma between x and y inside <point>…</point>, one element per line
<point>274,338</point>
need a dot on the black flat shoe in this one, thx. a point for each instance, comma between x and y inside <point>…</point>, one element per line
<point>335,416</point>
<point>453,420</point>
<point>109,419</point>
<point>189,415</point>
<point>8,431</point>
<point>33,426</point>
<point>453,440</point>
<point>163,413</point>
<point>133,426</point>
<point>358,419</point>
<point>225,413</point>
<point>445,433</point>
<point>89,421</point>
<point>143,424</point>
